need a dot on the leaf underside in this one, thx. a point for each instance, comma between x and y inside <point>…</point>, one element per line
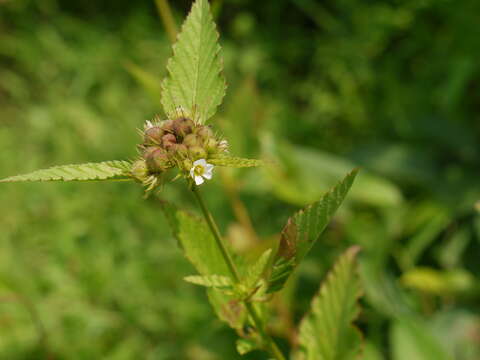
<point>195,84</point>
<point>107,170</point>
<point>327,332</point>
<point>235,162</point>
<point>302,231</point>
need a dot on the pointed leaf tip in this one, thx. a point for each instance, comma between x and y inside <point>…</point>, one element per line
<point>303,229</point>
<point>327,332</point>
<point>107,170</point>
<point>195,85</point>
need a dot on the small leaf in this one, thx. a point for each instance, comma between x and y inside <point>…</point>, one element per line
<point>256,270</point>
<point>235,162</point>
<point>327,333</point>
<point>213,281</point>
<point>107,170</point>
<point>302,231</point>
<point>195,83</point>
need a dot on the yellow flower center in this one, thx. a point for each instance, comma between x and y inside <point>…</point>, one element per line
<point>199,170</point>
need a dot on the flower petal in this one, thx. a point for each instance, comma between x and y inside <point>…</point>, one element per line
<point>199,180</point>
<point>201,162</point>
<point>209,167</point>
<point>207,175</point>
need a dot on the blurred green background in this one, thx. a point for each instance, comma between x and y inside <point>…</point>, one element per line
<point>90,270</point>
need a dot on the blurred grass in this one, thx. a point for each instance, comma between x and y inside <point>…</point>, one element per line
<point>90,271</point>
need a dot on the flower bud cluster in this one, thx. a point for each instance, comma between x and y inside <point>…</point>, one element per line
<point>174,143</point>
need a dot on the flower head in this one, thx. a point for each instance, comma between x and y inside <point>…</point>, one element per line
<point>200,171</point>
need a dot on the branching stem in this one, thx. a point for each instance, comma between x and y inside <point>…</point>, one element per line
<point>271,346</point>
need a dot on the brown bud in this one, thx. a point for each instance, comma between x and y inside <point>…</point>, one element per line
<point>158,160</point>
<point>148,150</point>
<point>178,150</point>
<point>153,135</point>
<point>168,140</point>
<point>182,126</point>
<point>197,152</point>
<point>167,126</point>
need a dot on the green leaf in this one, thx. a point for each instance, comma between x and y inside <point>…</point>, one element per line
<point>196,241</point>
<point>195,84</point>
<point>214,281</point>
<point>256,270</point>
<point>235,162</point>
<point>412,339</point>
<point>107,170</point>
<point>302,231</point>
<point>200,248</point>
<point>246,345</point>
<point>327,333</point>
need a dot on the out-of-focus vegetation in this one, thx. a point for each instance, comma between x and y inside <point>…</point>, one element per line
<point>90,271</point>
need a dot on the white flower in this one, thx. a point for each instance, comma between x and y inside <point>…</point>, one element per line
<point>201,170</point>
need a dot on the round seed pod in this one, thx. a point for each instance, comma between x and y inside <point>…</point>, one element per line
<point>211,145</point>
<point>204,132</point>
<point>168,140</point>
<point>182,126</point>
<point>179,150</point>
<point>148,150</point>
<point>153,135</point>
<point>158,161</point>
<point>197,152</point>
<point>191,140</point>
<point>167,126</point>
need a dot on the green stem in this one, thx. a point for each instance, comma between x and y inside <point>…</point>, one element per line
<point>268,341</point>
<point>167,18</point>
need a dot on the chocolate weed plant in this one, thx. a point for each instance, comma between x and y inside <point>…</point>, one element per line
<point>184,144</point>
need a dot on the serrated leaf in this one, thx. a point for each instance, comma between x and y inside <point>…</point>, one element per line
<point>302,231</point>
<point>235,162</point>
<point>195,82</point>
<point>213,281</point>
<point>200,248</point>
<point>327,333</point>
<point>107,170</point>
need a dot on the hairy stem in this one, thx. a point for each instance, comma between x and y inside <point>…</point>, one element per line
<point>268,341</point>
<point>167,18</point>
